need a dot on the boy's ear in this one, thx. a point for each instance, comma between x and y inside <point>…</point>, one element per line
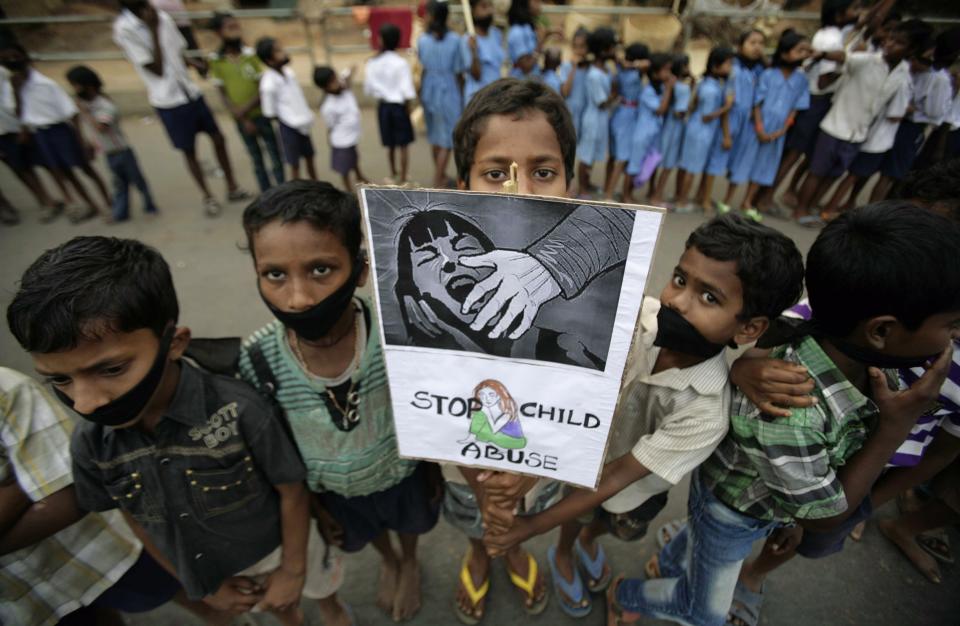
<point>364,273</point>
<point>181,339</point>
<point>462,185</point>
<point>751,330</point>
<point>876,330</point>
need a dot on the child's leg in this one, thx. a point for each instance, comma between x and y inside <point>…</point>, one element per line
<point>440,179</point>
<point>311,167</point>
<point>731,191</point>
<point>705,192</point>
<point>407,600</point>
<point>833,205</point>
<point>584,175</point>
<point>793,189</point>
<point>478,567</point>
<point>71,179</point>
<point>881,189</point>
<point>566,563</point>
<point>858,185</point>
<point>684,181</point>
<point>29,178</point>
<point>332,612</point>
<point>190,156</point>
<point>251,141</point>
<point>61,182</point>
<point>98,182</point>
<point>121,186</point>
<point>660,187</point>
<point>135,175</point>
<point>608,174</point>
<point>903,531</point>
<point>269,136</point>
<point>404,163</point>
<point>750,196</point>
<point>806,203</point>
<point>345,178</point>
<point>613,176</point>
<point>627,188</point>
<point>389,572</point>
<point>223,159</point>
<point>392,159</point>
<point>790,157</point>
<point>356,169</point>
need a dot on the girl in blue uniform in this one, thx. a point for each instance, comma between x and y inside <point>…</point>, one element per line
<point>627,85</point>
<point>442,60</point>
<point>483,53</point>
<point>747,68</point>
<point>710,103</point>
<point>594,129</point>
<point>781,91</point>
<point>655,99</point>
<point>671,138</point>
<point>523,40</point>
<point>573,77</point>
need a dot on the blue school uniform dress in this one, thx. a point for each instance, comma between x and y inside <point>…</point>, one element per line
<point>594,130</point>
<point>671,138</point>
<point>522,40</point>
<point>577,98</point>
<point>491,55</point>
<point>629,85</point>
<point>439,92</point>
<point>699,135</point>
<point>646,132</point>
<point>551,78</point>
<point>744,81</point>
<point>776,96</point>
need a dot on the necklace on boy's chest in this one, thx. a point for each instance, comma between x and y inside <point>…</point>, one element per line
<point>342,400</point>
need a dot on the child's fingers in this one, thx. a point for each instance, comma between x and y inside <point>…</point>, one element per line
<point>786,373</point>
<point>769,408</point>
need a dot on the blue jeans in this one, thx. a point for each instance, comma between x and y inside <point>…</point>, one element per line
<point>263,133</point>
<point>126,172</point>
<point>700,566</point>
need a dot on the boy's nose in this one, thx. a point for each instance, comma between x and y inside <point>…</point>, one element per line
<point>300,299</point>
<point>87,398</point>
<point>524,184</point>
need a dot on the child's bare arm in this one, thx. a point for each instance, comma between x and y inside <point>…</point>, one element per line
<point>283,586</point>
<point>13,502</point>
<point>944,449</point>
<point>774,386</point>
<point>37,520</point>
<point>666,98</point>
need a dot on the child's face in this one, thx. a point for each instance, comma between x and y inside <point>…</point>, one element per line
<point>664,74</point>
<point>482,9</point>
<point>708,294</point>
<point>97,372</point>
<point>723,70</point>
<point>579,46</point>
<point>13,60</point>
<point>299,265</point>
<point>551,61</point>
<point>799,53</point>
<point>535,8</point>
<point>922,62</point>
<point>280,57</point>
<point>526,63</point>
<point>231,30</point>
<point>895,47</point>
<point>931,338</point>
<point>488,397</point>
<point>527,139</point>
<point>333,85</point>
<point>752,47</point>
<point>84,92</point>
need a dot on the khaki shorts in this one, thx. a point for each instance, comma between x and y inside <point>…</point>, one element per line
<point>323,579</point>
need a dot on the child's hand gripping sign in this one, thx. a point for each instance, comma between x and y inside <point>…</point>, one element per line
<point>506,322</point>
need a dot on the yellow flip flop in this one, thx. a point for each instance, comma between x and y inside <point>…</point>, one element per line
<point>528,586</point>
<point>475,595</point>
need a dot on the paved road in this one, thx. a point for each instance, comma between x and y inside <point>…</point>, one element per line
<point>867,584</point>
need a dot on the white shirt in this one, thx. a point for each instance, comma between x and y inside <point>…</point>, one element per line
<point>867,86</point>
<point>827,39</point>
<point>388,78</point>
<point>670,421</point>
<point>282,97</point>
<point>43,102</point>
<point>883,132</point>
<point>9,123</point>
<point>932,93</point>
<point>342,116</point>
<point>953,116</point>
<point>172,6</point>
<point>174,87</point>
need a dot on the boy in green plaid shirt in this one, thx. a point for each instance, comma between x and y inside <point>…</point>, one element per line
<point>872,310</point>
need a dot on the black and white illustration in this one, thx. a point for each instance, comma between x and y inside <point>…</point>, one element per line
<point>507,276</point>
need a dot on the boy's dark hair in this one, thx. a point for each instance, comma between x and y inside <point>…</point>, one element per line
<point>218,20</point>
<point>789,39</point>
<point>132,5</point>
<point>600,40</point>
<point>265,47</point>
<point>718,56</point>
<point>831,9</point>
<point>389,36</point>
<point>87,287</point>
<point>746,35</point>
<point>317,202</point>
<point>947,48</point>
<point>919,35</point>
<point>658,60</point>
<point>680,61</point>
<point>508,96</point>
<point>519,12</point>
<point>439,13</point>
<point>322,76</point>
<point>636,52</point>
<point>10,42</point>
<point>84,76</point>
<point>888,258</point>
<point>769,265</point>
<point>935,187</point>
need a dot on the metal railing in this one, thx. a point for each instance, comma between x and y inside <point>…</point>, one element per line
<point>322,18</point>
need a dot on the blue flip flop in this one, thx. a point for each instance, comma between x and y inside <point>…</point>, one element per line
<point>573,590</point>
<point>596,581</point>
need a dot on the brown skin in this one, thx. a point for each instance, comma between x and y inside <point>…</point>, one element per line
<point>480,10</point>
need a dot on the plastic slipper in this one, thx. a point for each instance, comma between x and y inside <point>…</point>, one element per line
<point>936,544</point>
<point>745,606</point>
<point>670,530</point>
<point>597,579</point>
<point>616,614</point>
<point>528,586</point>
<point>475,595</point>
<point>572,596</point>
<point>753,214</point>
<point>810,221</point>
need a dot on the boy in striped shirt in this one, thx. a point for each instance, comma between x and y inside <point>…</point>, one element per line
<point>815,468</point>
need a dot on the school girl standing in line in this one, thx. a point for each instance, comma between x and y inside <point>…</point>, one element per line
<point>442,60</point>
<point>573,77</point>
<point>482,53</point>
<point>781,92</point>
<point>594,139</point>
<point>747,67</point>
<point>654,104</point>
<point>523,40</point>
<point>671,138</point>
<point>628,84</point>
<point>711,101</point>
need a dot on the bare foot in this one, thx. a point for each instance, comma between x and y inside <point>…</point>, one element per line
<point>479,567</point>
<point>519,563</point>
<point>790,199</point>
<point>565,567</point>
<point>406,601</point>
<point>387,587</point>
<point>857,533</point>
<point>911,549</point>
<point>333,612</point>
<point>616,615</point>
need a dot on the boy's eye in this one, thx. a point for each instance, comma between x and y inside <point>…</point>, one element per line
<point>708,297</point>
<point>321,270</point>
<point>495,175</point>
<point>57,381</point>
<point>113,370</point>
<point>273,275</point>
<point>678,280</point>
<point>544,174</point>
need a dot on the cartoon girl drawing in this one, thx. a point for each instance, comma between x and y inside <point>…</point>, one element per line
<point>497,421</point>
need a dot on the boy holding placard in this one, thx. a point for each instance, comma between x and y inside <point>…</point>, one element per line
<point>733,277</point>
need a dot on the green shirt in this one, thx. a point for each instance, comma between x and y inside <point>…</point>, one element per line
<point>358,462</point>
<point>784,469</point>
<point>239,76</point>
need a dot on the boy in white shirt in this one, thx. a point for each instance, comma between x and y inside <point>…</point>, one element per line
<point>342,116</point>
<point>47,110</point>
<point>388,79</point>
<point>281,98</point>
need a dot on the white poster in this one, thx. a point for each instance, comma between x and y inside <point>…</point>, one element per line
<point>506,322</point>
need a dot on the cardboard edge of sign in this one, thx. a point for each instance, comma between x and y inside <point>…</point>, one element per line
<point>361,193</point>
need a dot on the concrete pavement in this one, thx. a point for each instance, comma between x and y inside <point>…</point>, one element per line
<point>869,583</point>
